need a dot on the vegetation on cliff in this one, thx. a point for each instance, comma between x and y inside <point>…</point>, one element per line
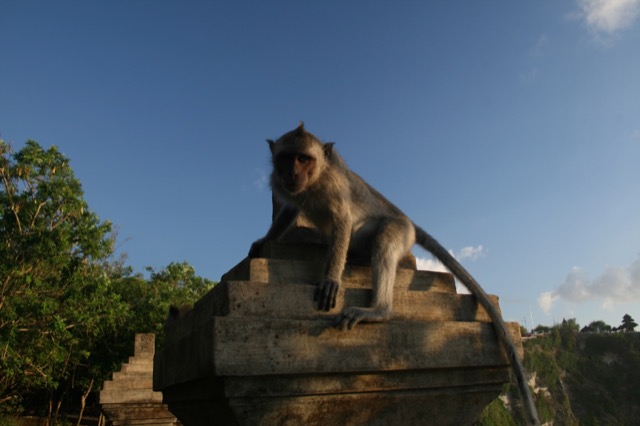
<point>586,378</point>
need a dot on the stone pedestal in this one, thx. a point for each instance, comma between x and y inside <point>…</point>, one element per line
<point>256,351</point>
<point>129,398</point>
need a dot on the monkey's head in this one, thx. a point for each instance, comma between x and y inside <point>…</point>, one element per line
<point>299,159</point>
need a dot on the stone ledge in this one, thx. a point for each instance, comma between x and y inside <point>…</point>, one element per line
<point>256,351</point>
<point>232,346</point>
<point>295,301</point>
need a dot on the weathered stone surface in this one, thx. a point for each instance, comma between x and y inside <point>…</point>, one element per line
<point>129,398</point>
<point>279,271</point>
<point>315,250</point>
<point>247,298</point>
<point>256,351</point>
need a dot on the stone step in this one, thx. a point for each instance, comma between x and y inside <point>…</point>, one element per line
<point>141,358</point>
<point>113,396</point>
<point>131,375</point>
<point>246,347</point>
<point>278,271</point>
<point>146,383</point>
<point>254,346</point>
<point>238,298</point>
<point>152,414</point>
<point>137,365</point>
<point>248,298</point>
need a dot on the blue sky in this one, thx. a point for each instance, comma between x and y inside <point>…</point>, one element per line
<point>509,130</point>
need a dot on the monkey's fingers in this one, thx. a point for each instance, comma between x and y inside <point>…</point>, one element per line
<point>326,294</point>
<point>349,319</point>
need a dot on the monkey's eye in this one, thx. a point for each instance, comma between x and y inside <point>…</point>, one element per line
<point>303,158</point>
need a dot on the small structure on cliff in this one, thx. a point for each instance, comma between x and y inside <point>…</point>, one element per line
<point>129,398</point>
<point>256,351</point>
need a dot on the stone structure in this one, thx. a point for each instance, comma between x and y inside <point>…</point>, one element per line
<point>256,351</point>
<point>129,398</point>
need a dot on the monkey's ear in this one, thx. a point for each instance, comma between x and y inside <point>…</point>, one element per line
<point>271,144</point>
<point>328,149</point>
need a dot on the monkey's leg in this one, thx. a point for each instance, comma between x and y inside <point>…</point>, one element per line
<point>392,240</point>
<point>286,216</point>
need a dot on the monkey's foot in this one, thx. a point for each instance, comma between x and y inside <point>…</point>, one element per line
<point>326,294</point>
<point>352,316</point>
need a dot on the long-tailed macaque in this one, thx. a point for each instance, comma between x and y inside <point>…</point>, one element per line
<point>310,177</point>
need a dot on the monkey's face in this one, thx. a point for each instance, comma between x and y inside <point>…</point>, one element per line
<point>294,169</point>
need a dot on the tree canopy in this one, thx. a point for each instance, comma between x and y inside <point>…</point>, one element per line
<point>596,327</point>
<point>68,310</point>
<point>54,299</point>
<point>628,323</point>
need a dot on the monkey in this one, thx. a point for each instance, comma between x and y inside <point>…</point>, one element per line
<point>309,176</point>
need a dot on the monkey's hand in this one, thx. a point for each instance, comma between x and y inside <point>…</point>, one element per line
<point>256,248</point>
<point>326,294</point>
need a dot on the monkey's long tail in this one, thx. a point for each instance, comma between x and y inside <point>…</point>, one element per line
<point>429,243</point>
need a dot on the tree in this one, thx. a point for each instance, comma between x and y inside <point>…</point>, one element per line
<point>55,300</point>
<point>149,299</point>
<point>68,310</point>
<point>565,333</point>
<point>541,329</point>
<point>628,323</point>
<point>596,327</point>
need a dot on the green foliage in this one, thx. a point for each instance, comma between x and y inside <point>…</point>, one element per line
<point>149,299</point>
<point>55,301</point>
<point>541,329</point>
<point>628,323</point>
<point>597,327</point>
<point>68,311</point>
<point>585,378</point>
<point>545,408</point>
<point>496,414</point>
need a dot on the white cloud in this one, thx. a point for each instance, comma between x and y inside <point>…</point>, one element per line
<point>575,287</point>
<point>609,16</point>
<point>614,285</point>
<point>469,252</point>
<point>262,182</point>
<point>633,135</point>
<point>539,46</point>
<point>425,264</point>
<point>535,53</point>
<point>545,301</point>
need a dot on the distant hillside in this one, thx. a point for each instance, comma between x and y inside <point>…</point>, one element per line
<point>578,379</point>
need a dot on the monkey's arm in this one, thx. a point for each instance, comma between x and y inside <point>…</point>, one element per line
<point>327,290</point>
<point>283,220</point>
